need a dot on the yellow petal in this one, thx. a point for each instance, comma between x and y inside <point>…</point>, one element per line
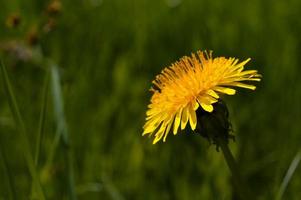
<point>177,121</point>
<point>236,74</point>
<point>168,128</point>
<point>206,99</point>
<point>149,129</point>
<point>206,107</point>
<point>159,134</point>
<point>253,79</point>
<point>238,79</point>
<point>210,99</point>
<point>151,125</point>
<point>192,118</point>
<point>184,118</point>
<point>240,66</point>
<point>168,124</point>
<point>242,85</point>
<point>195,105</point>
<point>213,94</point>
<point>228,91</point>
<point>151,112</point>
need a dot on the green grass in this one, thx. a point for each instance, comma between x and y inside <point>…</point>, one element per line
<point>74,129</point>
<point>22,132</point>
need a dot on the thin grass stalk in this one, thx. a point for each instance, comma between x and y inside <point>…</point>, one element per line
<point>53,148</point>
<point>62,127</point>
<point>111,189</point>
<point>22,131</point>
<point>10,182</point>
<point>42,118</point>
<point>289,174</point>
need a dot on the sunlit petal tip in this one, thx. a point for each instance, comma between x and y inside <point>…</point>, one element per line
<point>245,62</point>
<point>192,118</point>
<point>195,105</point>
<point>148,131</point>
<point>258,76</point>
<point>213,94</point>
<point>228,91</point>
<point>164,139</point>
<point>175,130</point>
<point>155,141</point>
<point>255,79</point>
<point>177,121</point>
<point>193,127</point>
<point>183,125</point>
<point>208,108</point>
<point>184,118</point>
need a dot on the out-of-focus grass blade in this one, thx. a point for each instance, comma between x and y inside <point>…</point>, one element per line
<point>62,127</point>
<point>111,189</point>
<point>12,192</point>
<point>89,187</point>
<point>52,151</point>
<point>289,174</point>
<point>22,131</point>
<point>58,102</point>
<point>42,118</point>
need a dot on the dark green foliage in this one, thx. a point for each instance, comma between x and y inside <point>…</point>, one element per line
<point>108,52</point>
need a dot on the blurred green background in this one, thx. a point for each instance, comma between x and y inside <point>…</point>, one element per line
<point>107,53</point>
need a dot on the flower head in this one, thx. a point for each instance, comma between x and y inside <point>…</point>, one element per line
<point>192,83</point>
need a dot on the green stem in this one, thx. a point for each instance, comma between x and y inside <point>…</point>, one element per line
<point>239,186</point>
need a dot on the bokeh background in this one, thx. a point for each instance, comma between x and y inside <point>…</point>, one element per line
<point>106,54</point>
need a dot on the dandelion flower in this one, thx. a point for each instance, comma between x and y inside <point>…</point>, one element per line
<point>192,83</point>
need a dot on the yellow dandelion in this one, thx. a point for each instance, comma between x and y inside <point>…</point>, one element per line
<point>189,84</point>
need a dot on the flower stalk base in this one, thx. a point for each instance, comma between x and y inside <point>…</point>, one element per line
<point>216,129</point>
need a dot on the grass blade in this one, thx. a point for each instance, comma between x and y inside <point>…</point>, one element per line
<point>289,174</point>
<point>11,192</point>
<point>62,127</point>
<point>111,189</point>
<point>22,131</point>
<point>42,118</point>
